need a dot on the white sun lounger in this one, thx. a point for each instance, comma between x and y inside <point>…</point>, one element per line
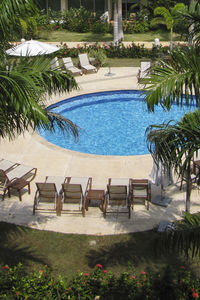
<point>144,69</point>
<point>68,64</point>
<point>85,64</point>
<point>55,63</point>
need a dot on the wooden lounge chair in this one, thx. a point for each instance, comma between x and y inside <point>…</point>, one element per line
<point>85,64</point>
<point>74,193</point>
<point>140,192</point>
<point>47,194</point>
<point>117,197</point>
<point>144,70</point>
<point>16,178</point>
<point>69,66</point>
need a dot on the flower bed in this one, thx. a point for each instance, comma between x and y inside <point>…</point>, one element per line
<point>99,284</point>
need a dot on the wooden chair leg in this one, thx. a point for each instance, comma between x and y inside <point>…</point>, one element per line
<point>20,194</point>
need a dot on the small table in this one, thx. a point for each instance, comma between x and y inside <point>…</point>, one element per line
<point>18,185</point>
<point>98,195</point>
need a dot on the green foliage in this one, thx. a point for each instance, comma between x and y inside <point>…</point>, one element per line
<point>100,284</point>
<point>79,20</point>
<point>120,51</point>
<point>100,57</point>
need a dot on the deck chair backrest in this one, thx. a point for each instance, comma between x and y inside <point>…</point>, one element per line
<point>83,58</point>
<point>117,194</point>
<point>139,188</point>
<point>68,62</point>
<point>144,67</point>
<point>47,192</point>
<point>72,193</point>
<point>6,165</point>
<point>55,63</point>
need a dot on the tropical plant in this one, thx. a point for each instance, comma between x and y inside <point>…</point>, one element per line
<point>185,239</point>
<point>167,17</point>
<point>176,81</point>
<point>26,82</point>
<point>191,17</point>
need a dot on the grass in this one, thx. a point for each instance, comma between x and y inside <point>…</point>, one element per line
<point>66,254</point>
<point>66,36</point>
<point>119,62</point>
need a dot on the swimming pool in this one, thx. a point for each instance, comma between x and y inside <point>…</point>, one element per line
<point>112,123</point>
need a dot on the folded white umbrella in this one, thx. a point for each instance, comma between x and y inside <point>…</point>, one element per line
<point>160,176</point>
<point>32,48</point>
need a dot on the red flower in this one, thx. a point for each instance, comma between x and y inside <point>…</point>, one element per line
<point>143,273</point>
<point>41,271</point>
<point>86,274</point>
<point>105,271</point>
<point>133,277</point>
<point>99,266</point>
<point>69,289</point>
<point>182,267</point>
<point>5,267</point>
<point>195,295</point>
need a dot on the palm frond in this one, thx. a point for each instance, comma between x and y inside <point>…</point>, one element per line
<point>24,86</point>
<point>174,80</point>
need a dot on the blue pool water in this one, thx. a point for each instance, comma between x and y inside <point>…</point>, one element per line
<point>112,123</point>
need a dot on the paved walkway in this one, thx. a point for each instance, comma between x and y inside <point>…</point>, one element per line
<point>51,160</point>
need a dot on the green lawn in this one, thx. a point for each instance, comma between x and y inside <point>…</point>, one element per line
<point>66,36</point>
<point>119,62</point>
<point>66,254</point>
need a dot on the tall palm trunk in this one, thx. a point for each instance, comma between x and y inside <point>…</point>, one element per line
<point>171,39</point>
<point>188,189</point>
<point>116,31</point>
<point>120,26</point>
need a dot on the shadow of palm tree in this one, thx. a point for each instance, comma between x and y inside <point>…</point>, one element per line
<point>11,253</point>
<point>139,249</point>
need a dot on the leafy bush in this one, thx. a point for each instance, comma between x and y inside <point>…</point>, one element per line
<point>141,27</point>
<point>128,27</point>
<point>79,20</point>
<point>99,27</point>
<point>100,57</point>
<point>99,284</point>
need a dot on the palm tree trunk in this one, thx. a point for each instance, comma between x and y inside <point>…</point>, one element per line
<point>188,190</point>
<point>116,37</point>
<point>120,26</point>
<point>171,39</point>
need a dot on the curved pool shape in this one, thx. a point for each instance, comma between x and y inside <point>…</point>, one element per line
<point>113,123</point>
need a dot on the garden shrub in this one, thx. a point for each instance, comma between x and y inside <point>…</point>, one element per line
<point>79,20</point>
<point>99,284</point>
<point>100,57</point>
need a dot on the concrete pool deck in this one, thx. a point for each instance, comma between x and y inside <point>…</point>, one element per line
<point>51,160</point>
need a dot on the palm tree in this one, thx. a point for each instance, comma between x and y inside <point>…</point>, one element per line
<point>25,83</point>
<point>174,145</point>
<point>116,24</point>
<point>171,82</point>
<point>191,17</point>
<point>118,28</point>
<point>168,17</point>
